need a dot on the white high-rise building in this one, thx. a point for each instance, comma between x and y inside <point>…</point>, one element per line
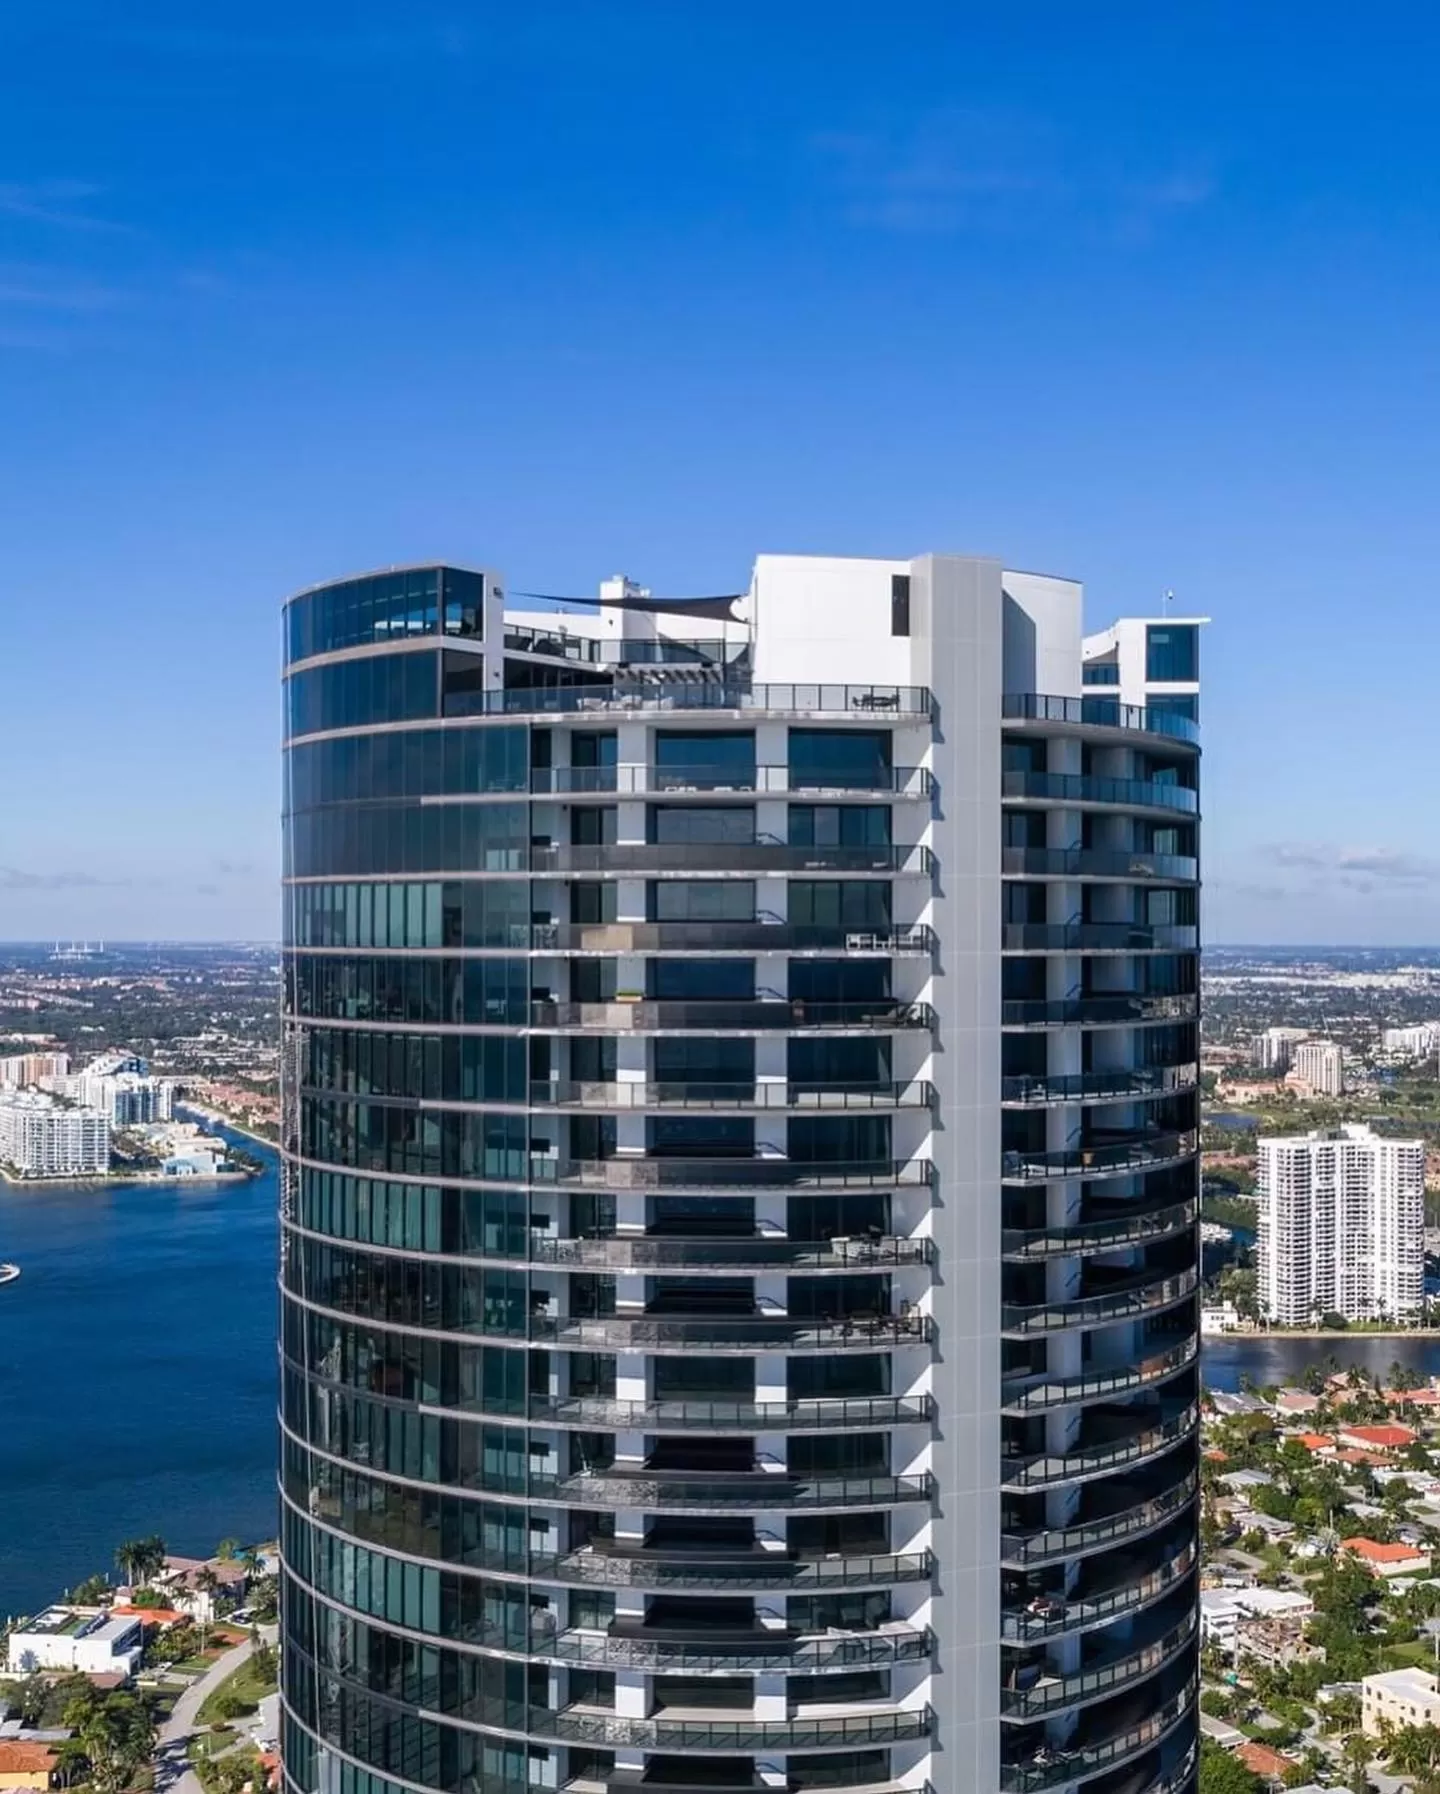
<point>1411,1043</point>
<point>740,1259</point>
<point>1321,1065</point>
<point>1274,1048</point>
<point>40,1137</point>
<point>1342,1225</point>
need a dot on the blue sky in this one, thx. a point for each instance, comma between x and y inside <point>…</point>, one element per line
<point>1112,291</point>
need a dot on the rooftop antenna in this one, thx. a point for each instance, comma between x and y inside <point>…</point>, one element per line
<point>1169,600</point>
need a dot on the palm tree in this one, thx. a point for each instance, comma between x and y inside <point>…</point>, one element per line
<point>1358,1752</point>
<point>228,1551</point>
<point>131,1558</point>
<point>207,1585</point>
<point>70,1761</point>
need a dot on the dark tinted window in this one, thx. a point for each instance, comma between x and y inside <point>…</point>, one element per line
<point>1172,651</point>
<point>839,757</point>
<point>380,688</point>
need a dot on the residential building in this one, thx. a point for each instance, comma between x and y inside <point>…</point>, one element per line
<point>740,1196</point>
<point>20,1071</point>
<point>1275,1048</point>
<point>203,1588</point>
<point>1320,1066</point>
<point>1388,1560</point>
<point>1222,1610</point>
<point>25,1764</point>
<point>1398,1697</point>
<point>1276,1642</point>
<point>40,1137</point>
<point>82,1640</point>
<point>1411,1043</point>
<point>1341,1225</point>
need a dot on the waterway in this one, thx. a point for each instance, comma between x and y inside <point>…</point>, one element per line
<point>137,1373</point>
<point>1271,1359</point>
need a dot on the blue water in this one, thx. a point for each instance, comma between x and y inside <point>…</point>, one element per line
<point>137,1374</point>
<point>1270,1359</point>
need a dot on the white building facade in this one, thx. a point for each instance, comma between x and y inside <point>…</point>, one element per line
<point>1411,1043</point>
<point>40,1137</point>
<point>1321,1065</point>
<point>1341,1226</point>
<point>76,1640</point>
<point>1274,1048</point>
<point>740,1257</point>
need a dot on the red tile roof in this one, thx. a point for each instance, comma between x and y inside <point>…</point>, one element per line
<point>20,1757</point>
<point>1370,1552</point>
<point>1383,1438</point>
<point>1263,1760</point>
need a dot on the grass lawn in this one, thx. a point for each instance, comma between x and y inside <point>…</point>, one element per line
<point>205,1745</point>
<point>246,1684</point>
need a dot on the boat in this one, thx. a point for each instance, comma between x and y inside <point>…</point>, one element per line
<point>8,1273</point>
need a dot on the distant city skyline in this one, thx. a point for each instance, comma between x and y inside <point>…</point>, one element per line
<point>571,291</point>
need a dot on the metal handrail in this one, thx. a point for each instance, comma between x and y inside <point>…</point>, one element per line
<point>1097,937</point>
<point>1043,1469</point>
<point>1062,1542</point>
<point>1101,1086</point>
<point>1052,1768</point>
<point>622,857</point>
<point>755,1015</point>
<point>620,1173</point>
<point>1025,1395</point>
<point>1122,1008</point>
<point>1071,1614</point>
<point>780,1334</point>
<point>798,1416</point>
<point>611,1252</point>
<point>1140,1295</point>
<point>721,693</point>
<point>1100,713</point>
<point>1082,788</point>
<point>569,1094</point>
<point>1051,1696</point>
<point>1146,1149</point>
<point>1148,1222</point>
<point>1096,862</point>
<point>651,780</point>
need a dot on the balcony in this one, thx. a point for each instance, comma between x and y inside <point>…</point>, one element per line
<point>717,781</point>
<point>1119,1085</point>
<point>1112,1225</point>
<point>1144,1292</point>
<point>1050,1767</point>
<point>1113,1526</point>
<point>620,1173</point>
<point>752,1653</point>
<point>759,1015</point>
<point>630,858</point>
<point>1114,1441</point>
<point>1117,1009</point>
<point>1112,1154</point>
<point>1053,1694</point>
<point>728,1253</point>
<point>1082,1610</point>
<point>560,644</point>
<point>773,936</point>
<point>1096,937</point>
<point>1096,713</point>
<point>741,1491</point>
<point>831,1413</point>
<point>723,1333</point>
<point>1033,1394</point>
<point>661,1569</point>
<point>1080,791</point>
<point>559,1094</point>
<point>847,703</point>
<point>1096,862</point>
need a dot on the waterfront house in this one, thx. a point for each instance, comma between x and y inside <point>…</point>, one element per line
<point>1390,1437</point>
<point>80,1640</point>
<point>183,1581</point>
<point>1296,1401</point>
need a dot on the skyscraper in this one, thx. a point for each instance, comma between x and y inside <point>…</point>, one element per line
<point>739,1246</point>
<point>1341,1226</point>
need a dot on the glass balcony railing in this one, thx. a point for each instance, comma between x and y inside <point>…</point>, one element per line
<point>652,781</point>
<point>563,1094</point>
<point>1030,1550</point>
<point>622,1173</point>
<point>609,1333</point>
<point>1101,673</point>
<point>708,1492</point>
<point>721,937</point>
<point>1097,713</point>
<point>1096,862</point>
<point>561,644</point>
<point>1033,1394</point>
<point>1052,1694</point>
<point>621,857</point>
<point>1078,788</point>
<point>1103,1158</point>
<point>1140,1295</point>
<point>1044,1618</point>
<point>761,1570</point>
<point>1096,937</point>
<point>602,1412</point>
<point>722,1253</point>
<point>1127,1227</point>
<point>1099,1086</point>
<point>858,703</point>
<point>1044,1470</point>
<point>1053,1767</point>
<point>785,1655</point>
<point>1104,1009</point>
<point>758,1015</point>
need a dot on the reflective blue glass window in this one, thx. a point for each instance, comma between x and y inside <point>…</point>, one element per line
<point>1172,652</point>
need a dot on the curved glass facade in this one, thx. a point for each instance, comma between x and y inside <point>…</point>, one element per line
<point>618,1364</point>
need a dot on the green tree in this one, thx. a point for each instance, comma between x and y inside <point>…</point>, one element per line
<point>118,1736</point>
<point>207,1585</point>
<point>94,1591</point>
<point>140,1559</point>
<point>1220,1773</point>
<point>1358,1752</point>
<point>1414,1750</point>
<point>70,1762</point>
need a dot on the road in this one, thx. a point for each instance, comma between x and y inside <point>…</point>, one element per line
<point>172,1762</point>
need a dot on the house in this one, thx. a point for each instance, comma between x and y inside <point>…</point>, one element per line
<point>25,1765</point>
<point>1399,1697</point>
<point>1223,1609</point>
<point>1223,1317</point>
<point>1388,1560</point>
<point>1276,1642</point>
<point>1296,1401</point>
<point>1269,1765</point>
<point>81,1640</point>
<point>1315,1443</point>
<point>184,1581</point>
<point>1389,1437</point>
<point>1239,1480</point>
